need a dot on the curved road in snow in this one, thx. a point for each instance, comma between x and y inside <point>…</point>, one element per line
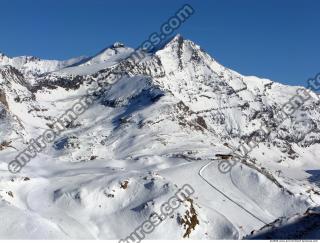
<point>225,195</point>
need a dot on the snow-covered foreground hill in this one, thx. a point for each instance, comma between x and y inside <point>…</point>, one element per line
<point>169,121</point>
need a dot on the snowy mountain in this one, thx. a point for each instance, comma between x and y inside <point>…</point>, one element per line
<point>32,66</point>
<point>169,120</point>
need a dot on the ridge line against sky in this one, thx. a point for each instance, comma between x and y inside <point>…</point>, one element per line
<point>273,39</point>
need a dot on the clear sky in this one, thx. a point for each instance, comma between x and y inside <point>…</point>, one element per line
<point>276,39</point>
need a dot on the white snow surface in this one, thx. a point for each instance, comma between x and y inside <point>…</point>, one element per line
<point>160,126</point>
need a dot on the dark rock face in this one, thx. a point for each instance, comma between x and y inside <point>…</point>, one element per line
<point>3,99</point>
<point>304,226</point>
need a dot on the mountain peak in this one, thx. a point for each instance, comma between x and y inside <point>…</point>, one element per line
<point>118,44</point>
<point>3,56</point>
<point>111,54</point>
<point>112,48</point>
<point>177,37</point>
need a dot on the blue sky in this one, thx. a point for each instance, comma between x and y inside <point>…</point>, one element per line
<point>276,39</point>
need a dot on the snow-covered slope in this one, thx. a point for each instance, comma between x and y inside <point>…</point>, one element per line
<point>107,57</point>
<point>165,123</point>
<point>32,66</point>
